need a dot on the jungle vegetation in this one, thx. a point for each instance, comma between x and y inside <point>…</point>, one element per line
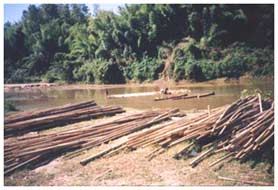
<point>64,42</point>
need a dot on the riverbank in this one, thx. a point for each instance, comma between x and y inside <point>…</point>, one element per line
<point>158,83</point>
<point>133,168</point>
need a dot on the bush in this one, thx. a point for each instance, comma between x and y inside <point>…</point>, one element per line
<point>129,69</point>
<point>210,69</point>
<point>193,71</point>
<point>193,52</point>
<point>192,63</point>
<point>85,73</point>
<point>188,69</point>
<point>148,69</point>
<point>232,66</point>
<point>215,55</point>
<point>178,70</point>
<point>51,76</point>
<point>62,68</point>
<point>100,71</point>
<point>20,76</point>
<point>113,74</point>
<point>261,62</point>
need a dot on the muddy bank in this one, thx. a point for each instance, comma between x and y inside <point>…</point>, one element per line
<point>29,85</point>
<point>158,83</point>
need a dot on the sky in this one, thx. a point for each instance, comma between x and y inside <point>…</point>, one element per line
<point>13,12</point>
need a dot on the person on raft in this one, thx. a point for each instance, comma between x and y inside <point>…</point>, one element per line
<point>165,91</point>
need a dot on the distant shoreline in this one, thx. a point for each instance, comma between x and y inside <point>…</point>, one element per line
<point>158,83</point>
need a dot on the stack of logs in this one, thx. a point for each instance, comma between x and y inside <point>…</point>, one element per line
<point>40,119</point>
<point>240,129</point>
<point>36,148</point>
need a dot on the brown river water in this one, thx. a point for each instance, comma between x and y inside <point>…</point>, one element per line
<point>226,93</point>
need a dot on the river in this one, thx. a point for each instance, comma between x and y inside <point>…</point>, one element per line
<point>226,93</point>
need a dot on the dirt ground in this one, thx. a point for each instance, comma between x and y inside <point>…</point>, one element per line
<point>134,169</point>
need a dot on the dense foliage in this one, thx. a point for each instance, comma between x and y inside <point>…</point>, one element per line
<point>55,42</point>
<point>211,63</point>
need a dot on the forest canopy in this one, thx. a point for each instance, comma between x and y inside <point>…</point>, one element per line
<point>64,42</point>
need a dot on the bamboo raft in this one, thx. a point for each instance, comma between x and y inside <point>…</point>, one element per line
<point>142,94</point>
<point>139,94</point>
<point>172,97</point>
<point>32,149</point>
<point>184,96</point>
<point>21,123</point>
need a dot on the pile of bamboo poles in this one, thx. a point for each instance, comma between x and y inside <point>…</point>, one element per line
<point>255,131</point>
<point>34,148</point>
<point>240,129</point>
<point>40,119</point>
<point>169,134</point>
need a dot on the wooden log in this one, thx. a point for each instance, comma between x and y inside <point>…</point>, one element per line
<point>202,156</point>
<point>209,110</point>
<point>51,148</point>
<point>100,154</point>
<point>267,139</point>
<point>160,151</point>
<point>10,170</point>
<point>221,159</point>
<point>260,101</point>
<point>59,119</point>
